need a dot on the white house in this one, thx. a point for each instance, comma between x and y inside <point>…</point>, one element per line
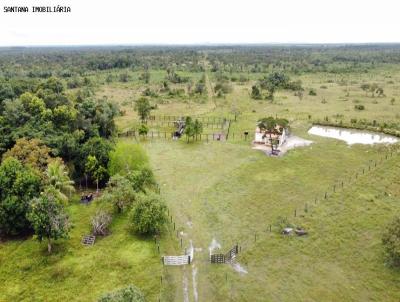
<point>264,137</point>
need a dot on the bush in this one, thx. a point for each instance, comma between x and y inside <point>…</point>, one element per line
<point>391,241</point>
<point>142,179</point>
<point>127,294</point>
<point>126,157</point>
<point>359,107</point>
<point>149,214</point>
<point>143,130</point>
<point>100,223</point>
<point>118,194</point>
<point>256,93</point>
<point>312,92</point>
<point>149,92</point>
<point>223,88</point>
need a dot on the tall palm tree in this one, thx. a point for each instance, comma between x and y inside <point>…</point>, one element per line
<point>57,177</point>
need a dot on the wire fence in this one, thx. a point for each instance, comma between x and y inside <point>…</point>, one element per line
<point>206,137</point>
<point>248,241</point>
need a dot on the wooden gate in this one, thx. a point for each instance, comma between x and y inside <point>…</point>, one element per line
<point>176,260</point>
<point>229,257</point>
<point>218,258</point>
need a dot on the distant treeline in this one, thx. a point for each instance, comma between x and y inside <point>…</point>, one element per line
<point>67,62</point>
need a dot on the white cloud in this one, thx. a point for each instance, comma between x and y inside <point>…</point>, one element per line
<point>206,21</point>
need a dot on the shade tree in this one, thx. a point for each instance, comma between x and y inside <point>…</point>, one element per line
<point>48,217</point>
<point>143,108</point>
<point>18,185</point>
<point>148,216</point>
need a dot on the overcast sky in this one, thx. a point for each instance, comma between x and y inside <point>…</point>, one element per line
<point>202,21</point>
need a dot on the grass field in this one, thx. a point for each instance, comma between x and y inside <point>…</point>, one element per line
<point>74,272</point>
<point>229,192</point>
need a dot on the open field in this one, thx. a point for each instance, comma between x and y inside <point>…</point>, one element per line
<point>336,98</point>
<point>229,192</point>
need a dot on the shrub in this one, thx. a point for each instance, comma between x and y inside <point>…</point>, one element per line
<point>149,92</point>
<point>391,241</point>
<point>126,157</point>
<point>143,130</point>
<point>200,88</point>
<point>223,87</point>
<point>141,179</point>
<point>312,92</point>
<point>100,223</point>
<point>119,193</point>
<point>359,107</point>
<point>256,93</point>
<point>149,214</point>
<point>124,77</point>
<point>127,294</point>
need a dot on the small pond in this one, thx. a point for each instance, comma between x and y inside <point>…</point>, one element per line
<point>353,136</point>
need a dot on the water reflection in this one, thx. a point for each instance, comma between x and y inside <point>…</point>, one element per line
<point>351,136</point>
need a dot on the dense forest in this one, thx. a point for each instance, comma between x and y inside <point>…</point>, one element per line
<point>78,61</point>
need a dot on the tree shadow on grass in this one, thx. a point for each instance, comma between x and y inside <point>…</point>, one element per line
<point>19,237</point>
